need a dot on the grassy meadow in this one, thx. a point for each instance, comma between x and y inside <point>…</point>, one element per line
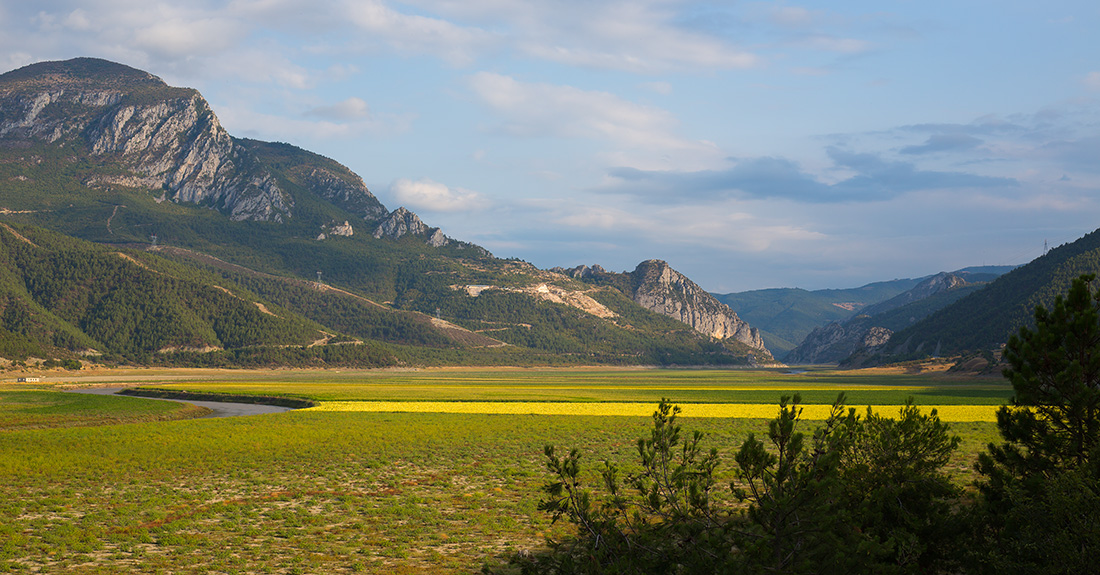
<point>98,484</point>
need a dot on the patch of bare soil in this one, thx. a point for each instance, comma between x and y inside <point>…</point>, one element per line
<point>572,298</point>
<point>134,261</point>
<point>17,234</point>
<point>262,308</point>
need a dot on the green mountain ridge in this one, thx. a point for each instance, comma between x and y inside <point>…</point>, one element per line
<point>985,319</point>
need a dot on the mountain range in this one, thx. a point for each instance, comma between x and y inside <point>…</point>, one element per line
<point>787,317</point>
<point>136,229</point>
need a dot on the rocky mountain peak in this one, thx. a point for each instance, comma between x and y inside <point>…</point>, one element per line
<point>79,73</point>
<point>660,288</point>
<point>167,140</point>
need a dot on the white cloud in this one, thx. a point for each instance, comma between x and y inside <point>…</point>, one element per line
<point>634,35</point>
<point>828,43</point>
<point>416,34</point>
<point>538,109</point>
<point>350,109</point>
<point>662,88</point>
<point>719,229</point>
<point>794,16</point>
<point>548,110</point>
<point>429,195</point>
<point>78,20</point>
<point>182,38</point>
<point>607,218</point>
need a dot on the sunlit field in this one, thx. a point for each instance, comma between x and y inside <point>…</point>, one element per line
<point>606,385</point>
<point>335,490</point>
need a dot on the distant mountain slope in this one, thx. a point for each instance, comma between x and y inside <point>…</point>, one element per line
<point>873,326</point>
<point>984,319</point>
<point>786,316</point>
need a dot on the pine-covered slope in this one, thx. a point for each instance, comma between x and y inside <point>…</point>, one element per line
<point>986,318</point>
<point>80,297</point>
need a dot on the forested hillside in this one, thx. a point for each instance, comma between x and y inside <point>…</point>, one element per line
<point>63,293</point>
<point>985,319</point>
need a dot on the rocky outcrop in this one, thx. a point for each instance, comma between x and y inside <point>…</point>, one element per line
<point>401,222</point>
<point>335,229</point>
<point>659,288</point>
<point>161,138</point>
<point>580,272</point>
<point>876,337</point>
<point>836,341</point>
<point>351,195</point>
<point>571,298</point>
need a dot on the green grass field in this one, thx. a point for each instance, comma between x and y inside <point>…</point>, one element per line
<point>28,407</point>
<point>346,492</point>
<point>605,385</point>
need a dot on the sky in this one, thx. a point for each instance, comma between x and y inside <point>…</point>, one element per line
<point>751,145</point>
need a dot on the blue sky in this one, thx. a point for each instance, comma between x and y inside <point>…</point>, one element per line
<point>749,144</point>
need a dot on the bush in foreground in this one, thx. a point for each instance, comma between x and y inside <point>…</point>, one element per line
<point>861,494</point>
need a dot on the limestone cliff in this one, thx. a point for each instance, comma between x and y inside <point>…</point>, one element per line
<point>155,136</point>
<point>322,176</point>
<point>661,289</point>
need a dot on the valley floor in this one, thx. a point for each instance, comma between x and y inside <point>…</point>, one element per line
<point>314,491</point>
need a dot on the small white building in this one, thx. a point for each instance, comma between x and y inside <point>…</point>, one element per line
<point>28,380</point>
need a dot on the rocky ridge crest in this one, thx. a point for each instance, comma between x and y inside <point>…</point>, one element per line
<point>166,138</point>
<point>661,289</point>
<point>402,222</point>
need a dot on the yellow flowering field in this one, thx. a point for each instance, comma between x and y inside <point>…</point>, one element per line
<point>956,413</point>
